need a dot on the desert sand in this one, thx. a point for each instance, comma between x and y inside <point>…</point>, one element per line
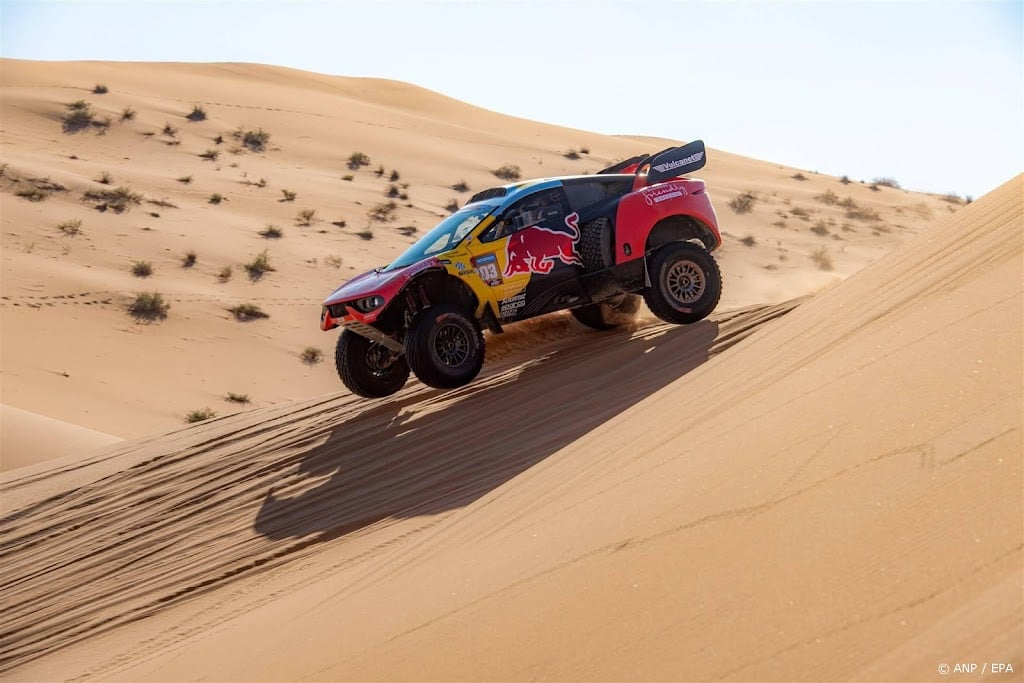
<point>823,481</point>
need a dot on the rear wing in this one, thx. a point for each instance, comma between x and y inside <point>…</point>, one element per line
<point>664,165</point>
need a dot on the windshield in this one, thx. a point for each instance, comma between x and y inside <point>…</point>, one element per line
<point>445,236</point>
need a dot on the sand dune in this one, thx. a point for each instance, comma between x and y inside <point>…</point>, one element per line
<point>72,353</point>
<point>37,437</point>
<point>836,493</point>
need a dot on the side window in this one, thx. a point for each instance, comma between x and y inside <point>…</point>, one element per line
<point>586,193</point>
<point>537,209</point>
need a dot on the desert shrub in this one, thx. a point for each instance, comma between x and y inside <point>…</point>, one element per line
<point>383,212</point>
<point>357,159</point>
<point>749,241</point>
<point>743,202</point>
<point>392,191</point>
<point>127,114</point>
<point>78,118</point>
<point>452,206</point>
<point>507,172</point>
<point>311,355</point>
<point>100,89</point>
<point>952,198</point>
<point>348,178</point>
<point>237,398</point>
<point>271,232</point>
<point>863,214</point>
<point>142,268</point>
<point>394,176</point>
<point>333,260</point>
<point>33,194</point>
<point>287,196</point>
<point>821,258</point>
<point>801,213</point>
<point>306,217</point>
<point>211,154</point>
<point>259,266</point>
<point>572,155</point>
<point>408,230</point>
<point>189,259</point>
<point>379,171</point>
<point>584,150</point>
<point>219,140</point>
<point>247,312</point>
<point>225,273</point>
<point>120,200</point>
<point>798,176</point>
<point>340,223</point>
<point>199,415</point>
<point>169,131</point>
<point>827,197</point>
<point>185,179</point>
<point>820,228</point>
<point>163,203</point>
<point>148,306</point>
<point>197,114</point>
<point>461,186</point>
<point>845,180</point>
<point>216,198</point>
<point>105,179</point>
<point>887,182</point>
<point>255,140</point>
<point>365,234</point>
<point>70,228</point>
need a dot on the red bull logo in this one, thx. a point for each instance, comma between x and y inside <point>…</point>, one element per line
<point>535,249</point>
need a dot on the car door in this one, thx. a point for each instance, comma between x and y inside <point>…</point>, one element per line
<point>528,256</point>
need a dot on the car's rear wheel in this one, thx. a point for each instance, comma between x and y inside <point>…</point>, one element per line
<point>367,368</point>
<point>605,315</point>
<point>595,245</point>
<point>685,283</point>
<point>444,347</point>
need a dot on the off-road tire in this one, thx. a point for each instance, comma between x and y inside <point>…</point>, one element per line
<point>444,346</point>
<point>606,315</point>
<point>355,357</point>
<point>686,283</point>
<point>595,245</point>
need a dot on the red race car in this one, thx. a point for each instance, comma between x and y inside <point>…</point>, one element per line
<point>592,244</point>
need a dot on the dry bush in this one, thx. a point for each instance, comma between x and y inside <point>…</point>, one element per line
<point>356,160</point>
<point>365,234</point>
<point>743,202</point>
<point>78,118</point>
<point>197,114</point>
<point>127,114</point>
<point>333,260</point>
<point>394,176</point>
<point>379,171</point>
<point>199,415</point>
<point>71,228</point>
<point>508,172</point>
<point>952,198</point>
<point>237,398</point>
<point>306,218</point>
<point>259,266</point>
<point>271,232</point>
<point>887,182</point>
<point>148,306</point>
<point>798,176</point>
<point>189,259</point>
<point>383,212</point>
<point>801,213</point>
<point>452,206</point>
<point>142,268</point>
<point>216,198</point>
<point>169,131</point>
<point>827,197</point>
<point>348,178</point>
<point>287,196</point>
<point>185,179</point>
<point>821,258</point>
<point>255,140</point>
<point>247,312</point>
<point>311,355</point>
<point>225,273</point>
<point>461,186</point>
<point>820,228</point>
<point>749,241</point>
<point>211,155</point>
<point>100,89</point>
<point>572,155</point>
<point>863,213</point>
<point>119,201</point>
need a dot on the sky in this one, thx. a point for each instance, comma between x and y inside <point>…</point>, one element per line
<point>928,93</point>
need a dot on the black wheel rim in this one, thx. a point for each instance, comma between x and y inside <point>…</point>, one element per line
<point>451,345</point>
<point>685,282</point>
<point>379,359</point>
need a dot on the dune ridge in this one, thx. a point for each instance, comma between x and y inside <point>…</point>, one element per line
<point>837,495</point>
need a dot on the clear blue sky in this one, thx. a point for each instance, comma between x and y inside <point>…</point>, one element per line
<point>930,93</point>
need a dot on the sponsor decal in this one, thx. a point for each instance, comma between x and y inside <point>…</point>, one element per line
<point>510,307</point>
<point>535,249</point>
<point>668,166</point>
<point>487,268</point>
<point>660,193</point>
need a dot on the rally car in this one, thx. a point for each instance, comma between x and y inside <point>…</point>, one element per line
<point>593,244</point>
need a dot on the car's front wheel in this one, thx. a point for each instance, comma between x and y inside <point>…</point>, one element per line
<point>685,283</point>
<point>367,368</point>
<point>444,347</point>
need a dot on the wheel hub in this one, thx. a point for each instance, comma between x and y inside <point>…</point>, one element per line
<point>451,343</point>
<point>685,282</point>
